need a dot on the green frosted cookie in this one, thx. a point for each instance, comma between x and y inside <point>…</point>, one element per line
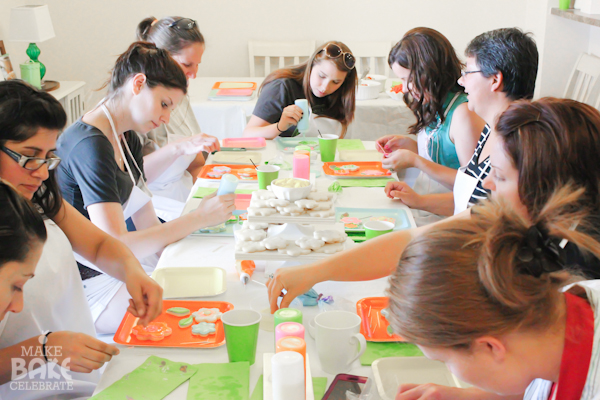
<point>184,323</point>
<point>178,311</point>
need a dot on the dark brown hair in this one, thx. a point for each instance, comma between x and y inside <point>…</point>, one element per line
<point>342,102</point>
<point>434,72</point>
<point>462,279</point>
<point>164,36</point>
<point>551,142</point>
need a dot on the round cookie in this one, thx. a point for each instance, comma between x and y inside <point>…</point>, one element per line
<point>207,315</point>
<point>307,204</point>
<point>307,242</point>
<point>250,235</point>
<point>330,236</point>
<point>275,243</point>
<point>204,329</point>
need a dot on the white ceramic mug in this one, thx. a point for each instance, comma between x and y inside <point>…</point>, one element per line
<point>337,335</point>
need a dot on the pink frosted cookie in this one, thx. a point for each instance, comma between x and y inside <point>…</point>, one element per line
<point>207,315</point>
<point>154,331</point>
<point>372,172</point>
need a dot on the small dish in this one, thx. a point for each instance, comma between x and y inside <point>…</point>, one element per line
<point>291,194</point>
<point>186,282</point>
<point>378,78</point>
<point>368,90</point>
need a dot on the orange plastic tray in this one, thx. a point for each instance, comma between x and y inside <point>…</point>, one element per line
<point>235,170</point>
<point>374,325</point>
<point>361,172</point>
<point>253,143</point>
<point>235,85</point>
<point>181,337</point>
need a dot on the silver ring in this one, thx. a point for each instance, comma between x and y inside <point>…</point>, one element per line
<point>271,276</point>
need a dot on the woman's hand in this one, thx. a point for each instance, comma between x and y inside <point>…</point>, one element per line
<point>289,117</point>
<point>146,296</point>
<point>214,209</point>
<point>389,143</point>
<point>197,143</point>
<point>403,192</point>
<point>293,281</point>
<point>399,159</point>
<point>85,353</point>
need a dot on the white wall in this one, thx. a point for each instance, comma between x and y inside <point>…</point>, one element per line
<point>90,34</point>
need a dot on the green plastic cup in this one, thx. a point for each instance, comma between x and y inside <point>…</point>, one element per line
<point>377,228</point>
<point>241,334</point>
<point>287,315</point>
<point>564,4</point>
<point>328,144</point>
<point>266,175</point>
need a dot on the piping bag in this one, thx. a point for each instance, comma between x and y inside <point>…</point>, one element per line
<point>245,269</point>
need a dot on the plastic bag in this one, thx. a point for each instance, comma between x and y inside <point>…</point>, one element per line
<point>365,394</point>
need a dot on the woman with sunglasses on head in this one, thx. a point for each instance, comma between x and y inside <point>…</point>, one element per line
<point>446,130</point>
<point>101,174</point>
<point>55,309</point>
<point>173,152</point>
<point>327,80</point>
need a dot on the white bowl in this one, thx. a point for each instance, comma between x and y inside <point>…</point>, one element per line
<point>396,96</point>
<point>367,90</point>
<point>378,78</point>
<point>291,194</point>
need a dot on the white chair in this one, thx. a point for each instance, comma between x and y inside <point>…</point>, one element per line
<point>371,54</point>
<point>583,82</point>
<point>299,51</point>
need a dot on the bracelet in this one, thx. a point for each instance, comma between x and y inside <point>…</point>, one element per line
<point>277,126</point>
<point>44,345</point>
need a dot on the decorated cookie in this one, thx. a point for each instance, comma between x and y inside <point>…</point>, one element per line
<point>341,171</point>
<point>247,173</point>
<point>178,311</point>
<point>222,169</point>
<point>383,218</point>
<point>263,195</point>
<point>204,329</point>
<point>250,247</point>
<point>214,174</point>
<point>331,248</point>
<point>292,209</point>
<point>261,212</point>
<point>254,225</point>
<point>250,235</point>
<point>330,236</point>
<point>277,203</point>
<point>307,242</point>
<point>305,203</point>
<point>322,214</point>
<point>320,196</point>
<point>275,243</point>
<point>350,167</point>
<point>323,206</point>
<point>154,331</point>
<point>207,315</point>
<point>294,251</point>
<point>372,172</point>
<point>184,323</point>
<point>351,222</point>
<point>258,203</point>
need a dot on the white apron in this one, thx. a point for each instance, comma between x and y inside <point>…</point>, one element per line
<point>53,301</point>
<point>464,186</point>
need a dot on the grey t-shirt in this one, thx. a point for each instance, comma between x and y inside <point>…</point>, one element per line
<point>88,173</point>
<point>277,95</point>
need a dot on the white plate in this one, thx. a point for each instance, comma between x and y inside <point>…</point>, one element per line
<point>268,384</point>
<point>236,157</point>
<point>360,155</point>
<point>185,282</point>
<point>390,372</point>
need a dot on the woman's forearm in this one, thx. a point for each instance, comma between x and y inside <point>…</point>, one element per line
<point>438,203</point>
<point>268,131</point>
<point>25,351</point>
<point>158,161</point>
<point>443,175</point>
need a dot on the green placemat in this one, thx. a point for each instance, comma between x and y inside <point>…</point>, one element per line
<point>350,144</point>
<point>319,387</point>
<point>377,350</point>
<point>220,382</point>
<point>204,191</point>
<point>153,380</point>
<point>376,182</point>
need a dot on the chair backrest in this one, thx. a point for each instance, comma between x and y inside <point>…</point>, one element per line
<point>371,54</point>
<point>582,85</point>
<point>297,51</point>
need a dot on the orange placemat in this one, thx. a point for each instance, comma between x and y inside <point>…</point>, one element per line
<point>374,326</point>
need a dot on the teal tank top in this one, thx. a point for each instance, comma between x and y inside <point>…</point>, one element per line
<point>439,146</point>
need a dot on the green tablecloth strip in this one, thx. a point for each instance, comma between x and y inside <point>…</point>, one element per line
<point>153,380</point>
<point>376,182</point>
<point>220,381</point>
<point>319,387</point>
<point>377,350</point>
<point>204,191</point>
<point>350,144</point>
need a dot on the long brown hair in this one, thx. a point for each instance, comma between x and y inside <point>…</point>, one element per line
<point>434,72</point>
<point>342,102</point>
<point>551,142</point>
<point>465,279</point>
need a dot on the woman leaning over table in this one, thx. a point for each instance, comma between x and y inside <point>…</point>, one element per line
<point>173,151</point>
<point>54,301</point>
<point>327,80</point>
<point>102,171</point>
<point>446,130</point>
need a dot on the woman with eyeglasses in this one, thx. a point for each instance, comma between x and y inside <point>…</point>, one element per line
<point>327,80</point>
<point>173,152</point>
<point>55,310</point>
<point>446,130</point>
<point>102,172</point>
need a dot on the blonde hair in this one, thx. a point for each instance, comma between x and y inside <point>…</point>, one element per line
<point>465,279</point>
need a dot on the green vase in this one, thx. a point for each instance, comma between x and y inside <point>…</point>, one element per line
<point>34,52</point>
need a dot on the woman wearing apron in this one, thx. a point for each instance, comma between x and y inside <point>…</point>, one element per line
<point>102,171</point>
<point>446,130</point>
<point>173,152</point>
<point>327,80</point>
<point>501,67</point>
<point>55,309</point>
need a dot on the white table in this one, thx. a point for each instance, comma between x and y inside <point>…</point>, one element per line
<point>372,119</point>
<point>195,251</point>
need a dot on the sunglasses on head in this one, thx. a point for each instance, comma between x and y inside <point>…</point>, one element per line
<point>332,50</point>
<point>183,24</point>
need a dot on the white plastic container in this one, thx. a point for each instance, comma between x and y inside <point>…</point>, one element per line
<point>368,90</point>
<point>378,78</point>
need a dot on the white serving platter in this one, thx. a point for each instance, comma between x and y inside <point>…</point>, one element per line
<point>186,282</point>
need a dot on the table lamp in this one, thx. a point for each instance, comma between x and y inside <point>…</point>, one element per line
<point>31,24</point>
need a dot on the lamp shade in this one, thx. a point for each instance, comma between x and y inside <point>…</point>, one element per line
<point>30,24</point>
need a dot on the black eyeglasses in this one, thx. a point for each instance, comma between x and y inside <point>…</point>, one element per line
<point>332,50</point>
<point>31,163</point>
<point>184,24</point>
<point>464,73</point>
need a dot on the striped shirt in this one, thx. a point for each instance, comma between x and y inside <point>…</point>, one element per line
<point>479,170</point>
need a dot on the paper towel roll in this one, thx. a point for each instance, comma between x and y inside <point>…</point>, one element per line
<point>288,376</point>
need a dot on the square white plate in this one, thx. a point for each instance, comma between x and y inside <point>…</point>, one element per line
<point>236,157</point>
<point>186,282</point>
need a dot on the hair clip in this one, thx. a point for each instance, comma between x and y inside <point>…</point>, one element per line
<point>538,253</point>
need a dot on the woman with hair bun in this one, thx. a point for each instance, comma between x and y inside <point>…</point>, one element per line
<point>102,171</point>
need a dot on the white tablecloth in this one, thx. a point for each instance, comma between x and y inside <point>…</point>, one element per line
<point>223,119</point>
<point>196,251</point>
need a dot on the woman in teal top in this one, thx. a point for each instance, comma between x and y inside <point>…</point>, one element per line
<point>447,132</point>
